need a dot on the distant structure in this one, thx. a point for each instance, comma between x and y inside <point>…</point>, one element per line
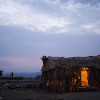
<point>1,73</point>
<point>12,74</point>
<point>68,74</point>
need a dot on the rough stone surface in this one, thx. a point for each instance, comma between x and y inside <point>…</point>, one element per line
<point>52,62</point>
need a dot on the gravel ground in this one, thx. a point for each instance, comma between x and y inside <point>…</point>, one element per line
<point>30,90</point>
<point>28,94</point>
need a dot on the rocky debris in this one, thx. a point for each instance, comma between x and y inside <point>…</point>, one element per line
<point>20,84</point>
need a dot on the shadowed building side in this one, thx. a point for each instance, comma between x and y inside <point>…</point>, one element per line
<point>68,74</point>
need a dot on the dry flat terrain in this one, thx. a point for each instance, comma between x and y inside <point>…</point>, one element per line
<point>31,90</point>
<point>28,94</point>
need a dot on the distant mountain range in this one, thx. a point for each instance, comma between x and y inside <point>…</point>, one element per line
<point>24,74</point>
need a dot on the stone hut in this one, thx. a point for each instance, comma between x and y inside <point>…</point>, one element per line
<point>68,74</point>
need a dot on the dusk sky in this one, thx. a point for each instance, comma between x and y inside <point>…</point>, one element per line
<point>30,29</point>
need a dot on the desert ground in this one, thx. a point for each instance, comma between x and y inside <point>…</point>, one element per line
<point>29,94</point>
<point>30,90</point>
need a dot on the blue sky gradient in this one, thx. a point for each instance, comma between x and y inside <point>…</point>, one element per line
<point>30,29</point>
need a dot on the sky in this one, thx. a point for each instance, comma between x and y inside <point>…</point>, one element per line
<point>30,29</point>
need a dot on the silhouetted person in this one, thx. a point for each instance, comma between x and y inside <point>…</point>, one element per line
<point>12,74</point>
<point>1,72</point>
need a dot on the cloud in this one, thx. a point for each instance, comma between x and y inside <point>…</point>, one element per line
<point>52,1</point>
<point>85,17</point>
<point>51,16</point>
<point>92,27</point>
<point>14,13</point>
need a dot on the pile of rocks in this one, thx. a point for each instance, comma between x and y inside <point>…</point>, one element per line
<point>19,84</point>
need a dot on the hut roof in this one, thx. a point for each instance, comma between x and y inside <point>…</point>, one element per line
<point>52,62</point>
